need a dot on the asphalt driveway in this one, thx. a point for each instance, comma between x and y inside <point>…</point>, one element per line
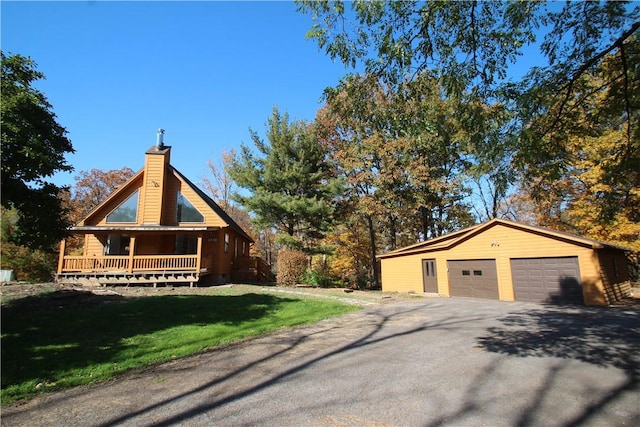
<point>424,362</point>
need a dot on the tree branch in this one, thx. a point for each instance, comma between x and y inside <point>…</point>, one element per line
<point>474,43</point>
<point>627,101</point>
<point>618,43</point>
<point>585,66</point>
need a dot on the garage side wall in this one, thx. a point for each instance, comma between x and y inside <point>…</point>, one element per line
<point>404,274</point>
<point>614,271</point>
<point>500,242</point>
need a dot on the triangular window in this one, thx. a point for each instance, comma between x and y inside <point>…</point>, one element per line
<point>127,211</point>
<point>186,212</point>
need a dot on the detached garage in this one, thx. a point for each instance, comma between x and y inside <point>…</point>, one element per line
<point>510,261</point>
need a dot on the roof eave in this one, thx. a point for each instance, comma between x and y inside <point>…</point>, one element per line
<point>89,229</point>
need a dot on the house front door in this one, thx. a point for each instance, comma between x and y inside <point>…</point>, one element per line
<point>117,244</point>
<point>429,278</point>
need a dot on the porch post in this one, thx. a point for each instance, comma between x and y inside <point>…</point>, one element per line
<point>199,258</point>
<point>132,251</point>
<point>63,246</point>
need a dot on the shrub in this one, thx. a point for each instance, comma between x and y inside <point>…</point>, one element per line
<point>292,265</point>
<point>28,265</point>
<point>321,278</point>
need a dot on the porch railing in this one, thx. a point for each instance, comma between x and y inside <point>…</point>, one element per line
<point>113,263</point>
<point>251,269</point>
<point>164,262</point>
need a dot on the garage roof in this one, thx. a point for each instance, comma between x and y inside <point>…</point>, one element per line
<point>452,239</point>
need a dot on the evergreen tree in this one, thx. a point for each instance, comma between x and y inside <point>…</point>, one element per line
<point>290,183</point>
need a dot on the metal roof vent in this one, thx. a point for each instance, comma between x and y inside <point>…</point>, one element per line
<point>160,139</point>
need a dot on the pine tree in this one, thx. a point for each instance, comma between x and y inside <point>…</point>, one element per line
<point>289,181</point>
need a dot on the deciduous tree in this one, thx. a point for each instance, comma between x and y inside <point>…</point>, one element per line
<point>31,265</point>
<point>403,154</point>
<point>93,187</point>
<point>33,148</point>
<point>582,170</point>
<point>220,185</point>
<point>469,45</point>
<point>567,130</point>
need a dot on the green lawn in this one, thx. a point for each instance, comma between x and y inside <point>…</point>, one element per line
<point>48,346</point>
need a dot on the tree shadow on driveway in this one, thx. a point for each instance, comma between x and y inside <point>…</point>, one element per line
<point>602,336</point>
<point>372,334</point>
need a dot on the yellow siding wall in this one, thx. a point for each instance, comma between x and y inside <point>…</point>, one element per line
<point>211,219</point>
<point>404,273</point>
<point>614,266</point>
<point>169,207</point>
<point>615,274</point>
<point>154,183</point>
<point>218,262</point>
<point>210,242</point>
<point>93,246</point>
<point>225,258</point>
<point>501,243</point>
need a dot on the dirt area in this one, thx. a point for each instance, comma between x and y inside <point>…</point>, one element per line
<point>61,296</point>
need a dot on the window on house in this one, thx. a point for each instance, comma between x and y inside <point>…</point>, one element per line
<point>477,272</point>
<point>466,273</point>
<point>244,248</point>
<point>235,247</point>
<point>186,244</point>
<point>226,242</point>
<point>127,211</point>
<point>186,212</point>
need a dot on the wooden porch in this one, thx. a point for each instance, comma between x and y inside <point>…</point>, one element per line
<point>152,270</point>
<point>129,269</point>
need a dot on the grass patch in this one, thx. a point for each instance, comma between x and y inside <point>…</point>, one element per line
<point>49,343</point>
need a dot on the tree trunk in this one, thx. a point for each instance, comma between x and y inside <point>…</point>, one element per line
<point>374,264</point>
<point>425,216</point>
<point>392,232</point>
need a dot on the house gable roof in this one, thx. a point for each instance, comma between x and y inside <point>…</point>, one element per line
<point>452,239</point>
<point>136,182</point>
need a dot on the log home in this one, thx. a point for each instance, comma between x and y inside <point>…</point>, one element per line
<point>160,228</point>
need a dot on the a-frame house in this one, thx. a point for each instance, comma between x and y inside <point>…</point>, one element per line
<point>159,228</point>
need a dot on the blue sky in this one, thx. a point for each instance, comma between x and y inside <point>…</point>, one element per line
<point>203,71</point>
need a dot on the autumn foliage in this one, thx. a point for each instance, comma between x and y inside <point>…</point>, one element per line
<point>292,265</point>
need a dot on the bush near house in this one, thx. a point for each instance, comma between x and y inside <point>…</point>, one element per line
<point>292,265</point>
